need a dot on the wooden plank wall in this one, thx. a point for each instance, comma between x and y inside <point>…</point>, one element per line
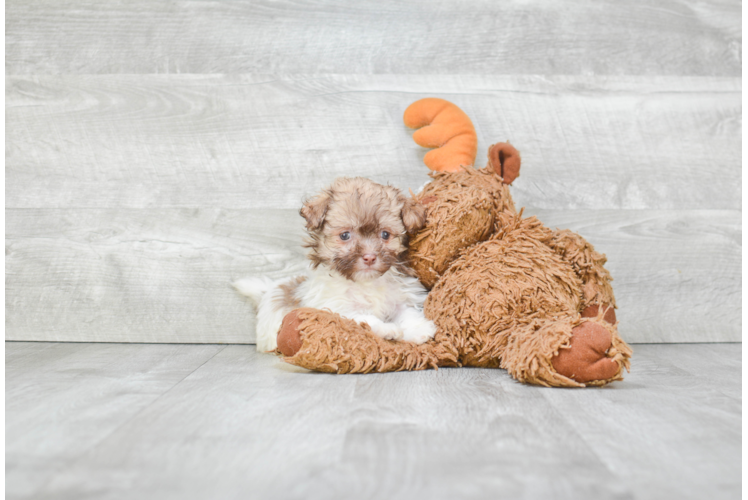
<point>157,150</point>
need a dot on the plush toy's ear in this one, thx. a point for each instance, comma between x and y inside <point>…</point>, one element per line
<point>315,209</point>
<point>505,161</point>
<point>414,214</point>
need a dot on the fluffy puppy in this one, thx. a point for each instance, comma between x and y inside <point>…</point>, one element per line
<point>358,238</point>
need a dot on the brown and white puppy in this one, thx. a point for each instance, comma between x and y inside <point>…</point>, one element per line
<point>358,238</point>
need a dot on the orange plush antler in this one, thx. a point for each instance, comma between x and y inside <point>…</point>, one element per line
<point>444,126</point>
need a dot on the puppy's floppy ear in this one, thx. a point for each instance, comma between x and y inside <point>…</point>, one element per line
<point>413,214</point>
<point>315,209</point>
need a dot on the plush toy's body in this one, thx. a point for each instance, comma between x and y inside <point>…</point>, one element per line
<point>505,292</point>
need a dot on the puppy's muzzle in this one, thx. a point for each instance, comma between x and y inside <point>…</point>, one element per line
<point>369,259</point>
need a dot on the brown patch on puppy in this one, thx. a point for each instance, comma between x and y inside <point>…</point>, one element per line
<point>360,228</point>
<point>346,264</point>
<point>370,225</point>
<point>288,300</point>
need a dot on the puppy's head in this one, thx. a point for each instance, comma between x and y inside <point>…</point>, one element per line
<point>360,228</point>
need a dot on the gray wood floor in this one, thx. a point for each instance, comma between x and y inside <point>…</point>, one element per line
<point>163,421</point>
<point>157,150</point>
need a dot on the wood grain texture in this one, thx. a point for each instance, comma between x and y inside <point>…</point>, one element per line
<point>267,141</point>
<point>141,275</point>
<point>156,150</point>
<point>413,37</point>
<point>242,424</point>
<point>163,275</point>
<point>63,400</point>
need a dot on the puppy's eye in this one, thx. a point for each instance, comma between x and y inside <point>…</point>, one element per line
<point>345,236</point>
<point>385,235</point>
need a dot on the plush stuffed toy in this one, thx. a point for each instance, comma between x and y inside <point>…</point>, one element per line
<point>505,291</point>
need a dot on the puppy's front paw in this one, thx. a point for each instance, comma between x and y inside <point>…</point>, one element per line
<point>388,331</point>
<point>419,331</point>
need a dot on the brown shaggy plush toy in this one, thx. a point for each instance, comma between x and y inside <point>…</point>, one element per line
<point>506,291</point>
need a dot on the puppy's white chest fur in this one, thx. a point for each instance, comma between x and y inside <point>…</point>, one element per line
<point>384,297</point>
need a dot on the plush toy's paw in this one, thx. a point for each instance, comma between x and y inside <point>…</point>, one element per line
<point>419,331</point>
<point>586,360</point>
<point>289,339</point>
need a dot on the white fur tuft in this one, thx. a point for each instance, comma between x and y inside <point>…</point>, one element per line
<point>254,288</point>
<point>266,294</point>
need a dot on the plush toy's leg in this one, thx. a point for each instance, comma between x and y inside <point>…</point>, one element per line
<point>563,353</point>
<point>594,346</point>
<point>588,264</point>
<point>323,341</point>
<point>529,349</point>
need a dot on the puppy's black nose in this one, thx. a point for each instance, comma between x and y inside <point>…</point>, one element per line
<point>369,259</point>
